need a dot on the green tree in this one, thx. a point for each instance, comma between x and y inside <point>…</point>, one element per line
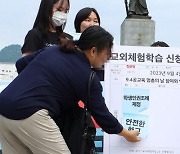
<point>10,53</point>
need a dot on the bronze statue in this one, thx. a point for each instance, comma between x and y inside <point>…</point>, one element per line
<point>137,8</point>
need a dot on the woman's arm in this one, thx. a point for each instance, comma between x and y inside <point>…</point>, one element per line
<point>24,61</point>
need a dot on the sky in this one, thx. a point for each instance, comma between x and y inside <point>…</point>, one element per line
<point>17,18</point>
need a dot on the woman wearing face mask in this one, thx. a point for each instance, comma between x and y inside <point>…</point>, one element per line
<point>86,17</point>
<point>48,27</point>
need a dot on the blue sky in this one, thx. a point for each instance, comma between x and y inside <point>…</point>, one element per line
<point>17,17</point>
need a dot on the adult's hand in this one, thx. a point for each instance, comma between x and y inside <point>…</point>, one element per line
<point>131,136</point>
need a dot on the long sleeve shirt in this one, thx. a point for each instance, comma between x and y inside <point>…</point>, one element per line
<point>56,81</point>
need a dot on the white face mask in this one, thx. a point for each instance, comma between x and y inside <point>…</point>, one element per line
<point>59,18</point>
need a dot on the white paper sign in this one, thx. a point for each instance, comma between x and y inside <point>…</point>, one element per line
<point>142,89</point>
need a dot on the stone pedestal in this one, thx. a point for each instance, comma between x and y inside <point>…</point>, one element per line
<point>137,32</point>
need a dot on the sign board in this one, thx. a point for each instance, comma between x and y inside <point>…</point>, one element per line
<point>142,88</point>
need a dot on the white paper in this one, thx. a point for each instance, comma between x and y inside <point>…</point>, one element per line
<point>142,88</point>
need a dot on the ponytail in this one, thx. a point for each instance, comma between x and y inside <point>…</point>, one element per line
<point>93,36</point>
<point>66,45</point>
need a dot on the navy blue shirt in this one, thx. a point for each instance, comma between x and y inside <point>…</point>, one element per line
<point>56,81</point>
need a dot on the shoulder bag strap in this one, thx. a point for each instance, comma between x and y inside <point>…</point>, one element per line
<point>87,103</point>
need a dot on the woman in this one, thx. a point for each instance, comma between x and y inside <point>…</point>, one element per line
<point>86,17</point>
<point>58,80</point>
<point>48,27</point>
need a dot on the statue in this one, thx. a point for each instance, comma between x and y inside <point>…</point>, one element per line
<point>137,9</point>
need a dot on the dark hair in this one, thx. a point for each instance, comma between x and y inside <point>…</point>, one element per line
<point>93,36</point>
<point>82,15</point>
<point>160,44</point>
<point>43,17</point>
